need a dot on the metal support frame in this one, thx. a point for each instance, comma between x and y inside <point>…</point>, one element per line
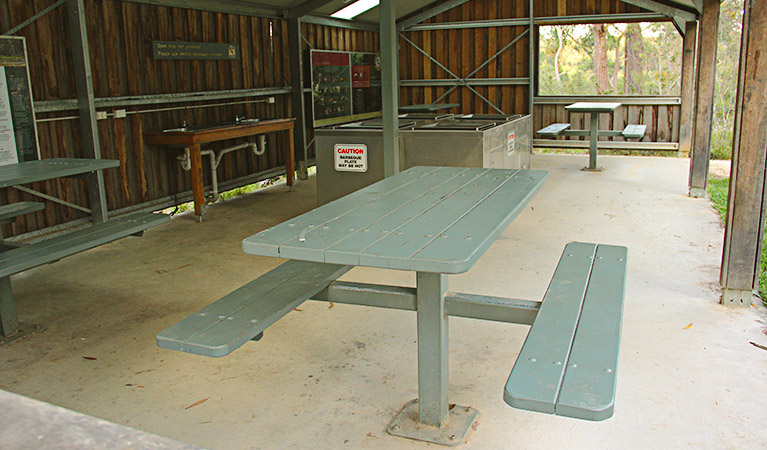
<point>42,106</point>
<point>594,136</point>
<point>678,15</point>
<point>432,348</point>
<point>389,86</point>
<point>487,23</point>
<point>295,52</point>
<point>34,18</point>
<point>9,322</point>
<point>87,106</point>
<point>430,417</point>
<point>531,58</point>
<point>429,13</point>
<point>467,81</point>
<point>51,198</point>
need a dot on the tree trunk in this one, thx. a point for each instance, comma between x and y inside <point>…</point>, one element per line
<point>616,67</point>
<point>633,66</point>
<point>557,74</point>
<point>600,58</point>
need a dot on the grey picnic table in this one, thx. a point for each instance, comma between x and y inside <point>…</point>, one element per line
<point>595,109</point>
<point>434,221</point>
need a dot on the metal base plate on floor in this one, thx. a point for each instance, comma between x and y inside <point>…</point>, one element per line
<point>25,330</point>
<point>453,432</point>
<point>589,169</point>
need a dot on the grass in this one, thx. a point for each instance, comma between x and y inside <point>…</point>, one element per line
<point>718,189</point>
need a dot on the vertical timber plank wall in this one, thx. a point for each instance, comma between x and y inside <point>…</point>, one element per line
<point>120,36</point>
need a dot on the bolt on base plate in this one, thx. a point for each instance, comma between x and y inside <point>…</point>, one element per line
<point>452,433</point>
<point>25,330</point>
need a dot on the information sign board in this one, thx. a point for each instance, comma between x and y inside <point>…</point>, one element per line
<point>18,131</point>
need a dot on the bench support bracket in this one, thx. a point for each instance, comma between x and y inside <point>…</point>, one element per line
<point>429,417</point>
<point>10,328</point>
<point>453,431</point>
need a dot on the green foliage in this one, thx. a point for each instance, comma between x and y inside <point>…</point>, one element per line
<point>727,65</point>
<point>718,190</point>
<point>571,49</point>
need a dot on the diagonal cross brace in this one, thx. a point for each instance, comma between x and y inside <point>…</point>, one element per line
<point>464,81</point>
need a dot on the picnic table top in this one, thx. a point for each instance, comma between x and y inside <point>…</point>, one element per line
<point>47,169</point>
<point>593,107</point>
<point>427,219</point>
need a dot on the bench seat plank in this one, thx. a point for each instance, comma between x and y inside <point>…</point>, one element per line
<point>13,210</point>
<point>568,363</point>
<point>536,378</point>
<point>588,388</point>
<point>50,168</point>
<point>634,131</point>
<point>554,129</point>
<point>49,250</point>
<point>223,326</point>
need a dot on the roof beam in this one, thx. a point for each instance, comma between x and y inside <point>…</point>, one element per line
<point>340,23</point>
<point>306,7</point>
<point>429,13</point>
<point>679,15</point>
<point>224,6</point>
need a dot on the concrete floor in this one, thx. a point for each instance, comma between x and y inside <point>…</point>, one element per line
<point>334,376</point>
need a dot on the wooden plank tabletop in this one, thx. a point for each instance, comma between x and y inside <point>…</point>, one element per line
<point>599,107</point>
<point>47,169</point>
<point>429,219</point>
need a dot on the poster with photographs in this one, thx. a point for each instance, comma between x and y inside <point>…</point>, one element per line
<point>18,132</point>
<point>346,86</point>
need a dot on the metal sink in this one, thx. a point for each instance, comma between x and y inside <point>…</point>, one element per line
<point>192,128</point>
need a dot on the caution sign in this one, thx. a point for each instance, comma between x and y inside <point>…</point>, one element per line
<point>510,144</point>
<point>351,157</point>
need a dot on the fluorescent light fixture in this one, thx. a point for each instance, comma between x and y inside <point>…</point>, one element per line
<point>355,9</point>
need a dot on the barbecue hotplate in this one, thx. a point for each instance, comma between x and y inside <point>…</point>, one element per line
<point>495,117</point>
<point>460,125</point>
<point>375,124</point>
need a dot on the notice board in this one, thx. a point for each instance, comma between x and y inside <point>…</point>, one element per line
<point>18,132</point>
<point>346,86</point>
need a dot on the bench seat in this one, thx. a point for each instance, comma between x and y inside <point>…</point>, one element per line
<point>634,131</point>
<point>568,363</point>
<point>49,250</point>
<point>555,129</point>
<point>18,259</point>
<point>8,213</point>
<point>242,315</point>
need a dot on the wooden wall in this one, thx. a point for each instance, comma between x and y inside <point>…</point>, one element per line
<point>120,36</point>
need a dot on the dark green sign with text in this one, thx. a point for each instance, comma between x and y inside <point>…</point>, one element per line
<point>194,50</point>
